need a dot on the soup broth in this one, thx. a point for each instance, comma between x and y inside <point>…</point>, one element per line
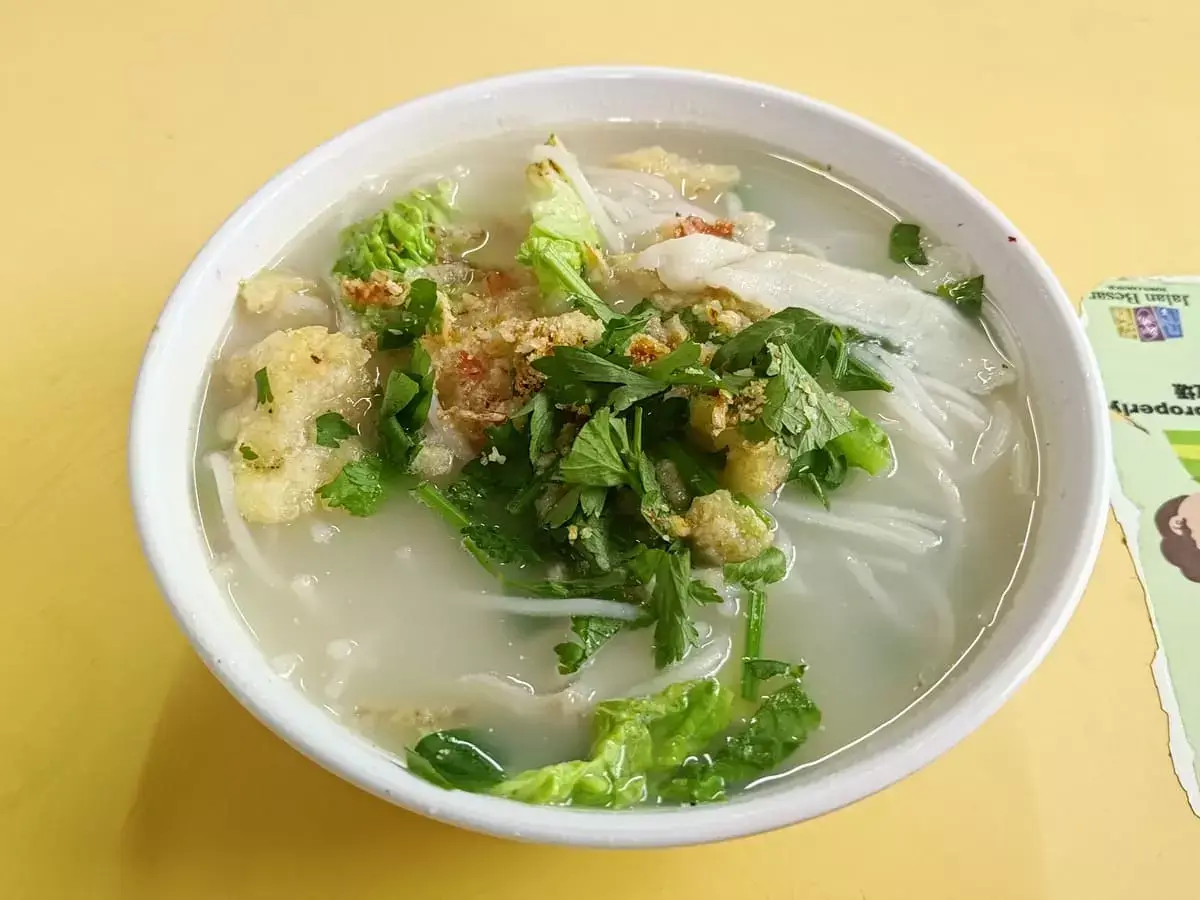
<point>389,625</point>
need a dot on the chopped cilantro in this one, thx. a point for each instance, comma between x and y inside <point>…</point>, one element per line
<point>904,244</point>
<point>358,488</point>
<point>598,455</point>
<point>593,632</point>
<point>262,388</point>
<point>967,295</point>
<point>674,631</point>
<point>404,325</point>
<point>332,429</point>
<point>247,452</point>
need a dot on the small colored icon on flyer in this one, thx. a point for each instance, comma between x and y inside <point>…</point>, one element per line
<point>1147,323</point>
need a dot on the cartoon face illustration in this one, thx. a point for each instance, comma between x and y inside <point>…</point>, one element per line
<point>1178,522</point>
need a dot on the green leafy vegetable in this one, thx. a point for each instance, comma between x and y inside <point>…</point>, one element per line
<point>768,567</point>
<point>756,611</point>
<point>500,548</point>
<point>592,499</point>
<point>593,633</point>
<point>562,239</point>
<point>966,295</point>
<point>358,487</point>
<point>579,376</point>
<point>674,630</point>
<point>619,329</point>
<point>634,739</point>
<point>817,344</point>
<point>455,758</point>
<point>904,244</point>
<point>783,722</point>
<point>766,669</point>
<point>407,396</point>
<point>754,574</point>
<point>396,239</point>
<point>403,325</point>
<point>703,593</point>
<point>557,275</point>
<point>598,456</point>
<point>332,429</point>
<point>797,410</point>
<point>865,445</point>
<point>262,388</point>
<point>541,427</point>
<point>247,452</point>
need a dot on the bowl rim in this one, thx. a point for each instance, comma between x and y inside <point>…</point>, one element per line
<point>651,827</point>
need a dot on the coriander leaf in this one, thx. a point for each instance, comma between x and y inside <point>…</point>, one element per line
<point>620,329</point>
<point>820,471</point>
<point>564,508</point>
<point>625,396</point>
<point>398,393</point>
<point>404,409</point>
<point>664,417</point>
<point>541,426</point>
<point>634,739</point>
<point>247,452</point>
<point>262,388</point>
<point>741,350</point>
<point>858,376</point>
<point>797,409</point>
<point>768,567</point>
<point>597,457</point>
<point>698,326</point>
<point>532,489</point>
<point>966,295</point>
<point>332,429</point>
<point>591,500</point>
<point>593,543</point>
<point>674,631</point>
<point>405,324</point>
<point>458,759</point>
<point>686,354</point>
<point>564,590</point>
<point>499,547</point>
<point>766,669</point>
<point>644,564</point>
<point>702,592</point>
<point>813,340</point>
<point>570,364</point>
<point>904,244</point>
<point>465,493</point>
<point>593,632</point>
<point>358,488</point>
<point>697,473</point>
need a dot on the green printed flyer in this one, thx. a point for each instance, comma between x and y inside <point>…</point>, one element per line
<point>1146,335</point>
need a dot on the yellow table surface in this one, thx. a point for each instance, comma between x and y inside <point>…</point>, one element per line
<point>127,135</point>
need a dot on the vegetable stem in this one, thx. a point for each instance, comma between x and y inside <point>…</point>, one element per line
<point>756,609</point>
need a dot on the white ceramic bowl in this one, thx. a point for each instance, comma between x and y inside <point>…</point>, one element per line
<point>1061,374</point>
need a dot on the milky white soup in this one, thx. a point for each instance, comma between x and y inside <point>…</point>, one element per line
<point>396,630</point>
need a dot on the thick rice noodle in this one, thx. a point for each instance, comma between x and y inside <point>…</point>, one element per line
<point>940,340</point>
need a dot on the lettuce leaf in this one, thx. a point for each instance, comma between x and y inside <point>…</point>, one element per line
<point>634,739</point>
<point>396,239</point>
<point>562,241</point>
<point>782,723</point>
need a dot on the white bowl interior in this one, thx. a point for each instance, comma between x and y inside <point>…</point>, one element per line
<point>1060,371</point>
